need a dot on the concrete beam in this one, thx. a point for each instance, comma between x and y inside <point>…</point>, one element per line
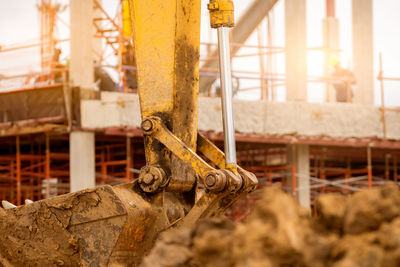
<point>296,50</point>
<point>82,160</point>
<point>299,156</point>
<point>329,120</point>
<point>363,51</point>
<point>239,34</point>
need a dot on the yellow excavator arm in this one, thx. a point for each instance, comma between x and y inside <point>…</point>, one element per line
<point>118,225</point>
<point>166,37</point>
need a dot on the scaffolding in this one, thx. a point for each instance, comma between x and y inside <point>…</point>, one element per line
<point>37,166</point>
<point>332,170</point>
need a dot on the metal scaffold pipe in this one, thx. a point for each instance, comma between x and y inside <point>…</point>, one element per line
<point>226,96</point>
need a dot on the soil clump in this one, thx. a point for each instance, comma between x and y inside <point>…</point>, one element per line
<point>362,229</point>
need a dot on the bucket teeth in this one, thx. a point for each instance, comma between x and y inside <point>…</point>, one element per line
<point>28,201</point>
<point>7,205</point>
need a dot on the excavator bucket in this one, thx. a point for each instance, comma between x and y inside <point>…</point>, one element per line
<point>104,226</point>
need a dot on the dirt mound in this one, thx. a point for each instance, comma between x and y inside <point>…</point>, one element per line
<point>358,230</point>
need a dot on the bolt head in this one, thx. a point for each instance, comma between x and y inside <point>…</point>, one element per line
<point>148,178</point>
<point>211,180</point>
<point>216,181</point>
<point>151,178</point>
<point>147,125</point>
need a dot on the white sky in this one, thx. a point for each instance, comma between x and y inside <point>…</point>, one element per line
<point>19,23</point>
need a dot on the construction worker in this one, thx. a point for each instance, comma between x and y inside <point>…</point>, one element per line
<point>103,80</point>
<point>343,79</point>
<point>129,61</point>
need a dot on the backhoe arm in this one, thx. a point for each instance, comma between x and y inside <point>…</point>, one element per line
<point>167,44</point>
<point>118,225</point>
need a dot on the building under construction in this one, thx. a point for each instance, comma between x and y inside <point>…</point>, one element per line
<point>137,138</point>
<point>67,127</point>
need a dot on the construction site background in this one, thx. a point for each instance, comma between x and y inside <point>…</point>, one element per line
<point>35,155</point>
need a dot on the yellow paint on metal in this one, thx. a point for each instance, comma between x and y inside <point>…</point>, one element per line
<point>154,28</point>
<point>211,151</point>
<point>179,148</point>
<point>167,44</point>
<point>186,71</point>
<point>221,13</point>
<point>166,37</point>
<point>185,111</point>
<point>126,20</point>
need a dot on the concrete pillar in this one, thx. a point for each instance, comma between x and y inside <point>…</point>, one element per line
<point>97,41</point>
<point>331,41</point>
<point>82,144</point>
<point>82,164</point>
<point>81,23</point>
<point>299,156</point>
<point>296,50</point>
<point>363,51</point>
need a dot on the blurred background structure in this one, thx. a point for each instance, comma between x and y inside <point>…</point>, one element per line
<point>311,119</point>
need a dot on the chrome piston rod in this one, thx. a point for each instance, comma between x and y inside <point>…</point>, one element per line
<point>226,96</point>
